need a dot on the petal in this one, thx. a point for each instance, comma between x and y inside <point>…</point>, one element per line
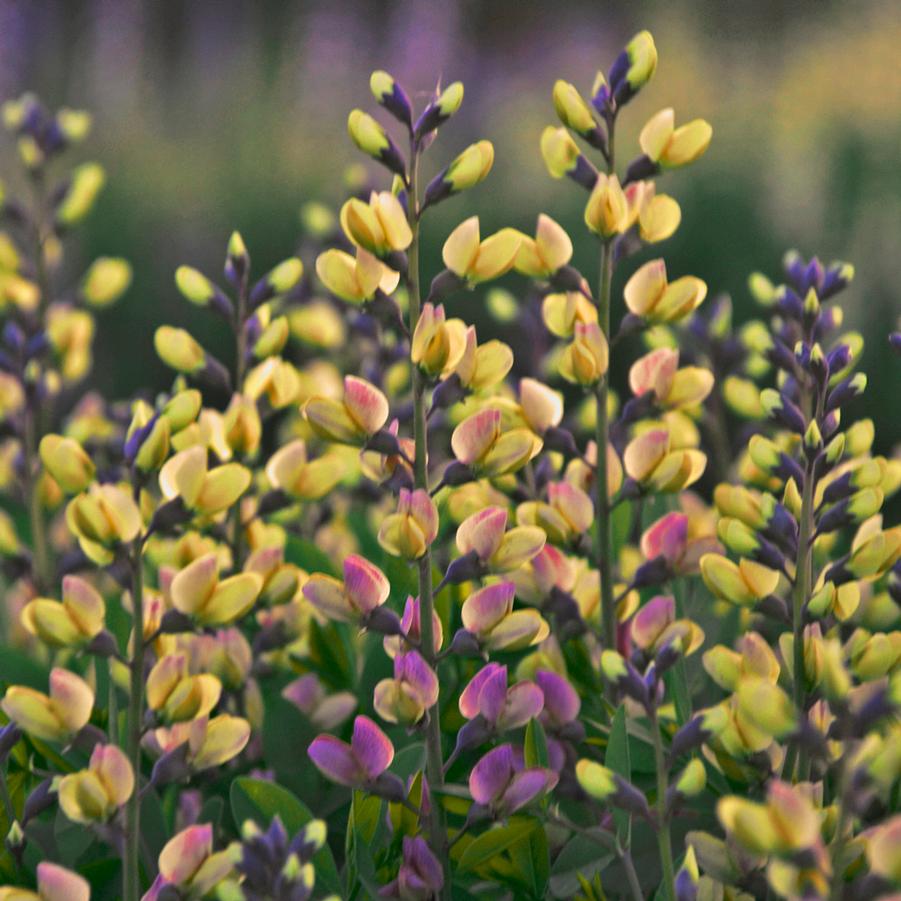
<point>656,134</point>
<point>519,546</point>
<point>554,245</point>
<point>462,246</point>
<point>58,884</point>
<point>561,700</point>
<point>365,584</point>
<point>335,760</point>
<point>542,406</point>
<point>330,419</point>
<point>50,621</point>
<point>327,595</point>
<point>473,437</point>
<point>114,771</point>
<point>183,475</point>
<point>72,697</point>
<point>493,695</point>
<point>84,604</point>
<point>667,538</point>
<point>337,271</point>
<point>654,372</point>
<point>687,143</point>
<point>367,406</point>
<point>650,621</point>
<point>519,630</point>
<point>222,487</point>
<point>491,775</point>
<point>469,697</point>
<point>525,786</point>
<point>487,607</point>
<point>371,747</point>
<point>183,854</point>
<point>496,255</point>
<point>644,453</point>
<point>524,702</point>
<point>193,586</point>
<point>645,288</point>
<point>231,600</point>
<point>33,713</point>
<point>511,452</point>
<point>482,532</point>
<point>226,736</point>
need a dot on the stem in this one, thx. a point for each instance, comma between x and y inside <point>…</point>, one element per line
<point>434,756</point>
<point>664,842</point>
<point>240,366</point>
<point>602,437</point>
<point>131,867</point>
<point>803,576</point>
<point>41,558</point>
<point>604,531</point>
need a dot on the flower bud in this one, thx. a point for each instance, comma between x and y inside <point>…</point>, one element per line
<point>66,461</point>
<point>85,184</point>
<point>370,137</point>
<point>106,281</point>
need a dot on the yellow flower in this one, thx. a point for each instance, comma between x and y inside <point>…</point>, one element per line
<point>474,260</point>
<point>202,490</point>
<point>74,622</point>
<point>95,794</point>
<point>648,294</point>
<point>669,146</point>
<point>102,518</point>
<point>198,593</point>
<point>56,717</point>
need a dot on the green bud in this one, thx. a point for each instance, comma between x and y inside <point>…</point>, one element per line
<point>285,275</point>
<point>835,448</point>
<point>613,665</point>
<point>813,438</point>
<point>692,779</point>
<point>865,503</point>
<point>178,349</point>
<point>317,219</point>
<point>811,303</point>
<point>762,289</point>
<point>642,55</point>
<point>366,133</point>
<point>194,285</point>
<point>74,124</point>
<point>596,779</point>
<point>86,182</point>
<point>450,99</point>
<point>106,281</point>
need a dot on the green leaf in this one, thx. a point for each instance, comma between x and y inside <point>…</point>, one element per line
<point>308,556</point>
<point>676,681</point>
<point>260,801</point>
<point>535,747</point>
<point>579,856</point>
<point>531,857</point>
<point>617,759</point>
<point>495,841</point>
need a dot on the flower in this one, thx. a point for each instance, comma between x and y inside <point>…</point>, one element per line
<point>202,490</point>
<point>379,226</point>
<point>355,279</point>
<point>566,517</point>
<point>479,443</point>
<point>670,147</point>
<point>585,361</point>
<point>365,587</point>
<point>210,741</point>
<point>655,627</point>
<point>410,531</point>
<point>466,171</point>
<point>102,518</point>
<point>650,461</point>
<point>198,593</point>
<point>412,691</point>
<point>56,717</point>
<point>64,458</point>
<point>548,251</point>
<point>474,260</point>
<point>325,711</point>
<point>361,413</point>
<point>410,625</point>
<point>95,794</point>
<point>497,783</point>
<point>357,764</point>
<point>607,210</point>
<point>489,616</point>
<point>648,294</point>
<point>657,373</point>
<point>502,708</point>
<point>74,622</point>
<point>55,883</point>
<point>290,470</point>
<point>420,876</point>
<point>176,695</point>
<point>188,864</point>
<point>669,538</point>
<point>743,584</point>
<point>484,534</point>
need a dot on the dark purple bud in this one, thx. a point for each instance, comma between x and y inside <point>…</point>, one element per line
<point>464,569</point>
<point>456,474</point>
<point>640,168</point>
<point>9,735</point>
<point>836,517</point>
<point>583,173</point>
<point>38,801</point>
<point>636,408</point>
<point>690,737</point>
<point>169,515</point>
<point>384,621</point>
<point>686,889</point>
<point>846,390</point>
<point>389,787</point>
<point>838,358</point>
<point>175,622</point>
<point>444,285</point>
<point>448,392</point>
<point>398,104</point>
<point>103,644</point>
<point>567,278</point>
<point>629,798</point>
<point>385,442</point>
<point>465,644</point>
<point>272,501</point>
<point>214,374</point>
<point>652,572</point>
<point>768,554</point>
<point>472,733</point>
<point>561,440</point>
<point>13,336</point>
<point>438,189</point>
<point>783,528</point>
<point>788,468</point>
<point>171,767</point>
<point>838,489</point>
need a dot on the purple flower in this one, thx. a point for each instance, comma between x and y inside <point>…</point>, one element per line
<point>502,708</point>
<point>496,782</point>
<point>420,877</point>
<point>412,691</point>
<point>561,701</point>
<point>357,764</point>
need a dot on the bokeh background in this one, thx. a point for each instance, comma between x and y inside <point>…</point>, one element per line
<point>221,114</point>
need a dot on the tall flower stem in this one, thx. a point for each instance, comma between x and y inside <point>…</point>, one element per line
<point>664,840</point>
<point>434,757</point>
<point>602,437</point>
<point>131,878</point>
<point>240,366</point>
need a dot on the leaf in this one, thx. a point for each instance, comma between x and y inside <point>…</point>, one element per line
<point>676,681</point>
<point>17,668</point>
<point>580,855</point>
<point>535,747</point>
<point>531,857</point>
<point>495,841</point>
<point>617,759</point>
<point>260,801</point>
<point>308,556</point>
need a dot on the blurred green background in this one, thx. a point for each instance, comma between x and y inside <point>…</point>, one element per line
<point>225,114</point>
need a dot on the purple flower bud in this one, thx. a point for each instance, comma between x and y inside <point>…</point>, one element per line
<point>894,339</point>
<point>561,700</point>
<point>357,764</point>
<point>640,168</point>
<point>420,877</point>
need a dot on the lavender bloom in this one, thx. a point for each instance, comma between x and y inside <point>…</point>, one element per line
<point>502,708</point>
<point>496,783</point>
<point>420,876</point>
<point>357,764</point>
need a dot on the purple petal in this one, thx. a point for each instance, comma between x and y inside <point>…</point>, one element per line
<point>412,669</point>
<point>469,698</point>
<point>561,701</point>
<point>493,696</point>
<point>524,702</point>
<point>652,619</point>
<point>419,858</point>
<point>524,786</point>
<point>491,775</point>
<point>371,747</point>
<point>335,760</point>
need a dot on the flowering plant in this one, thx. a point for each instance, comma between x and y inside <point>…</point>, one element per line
<point>355,613</point>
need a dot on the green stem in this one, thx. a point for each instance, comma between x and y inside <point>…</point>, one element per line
<point>803,578</point>
<point>602,437</point>
<point>664,841</point>
<point>130,863</point>
<point>434,756</point>
<point>240,366</point>
<point>41,556</point>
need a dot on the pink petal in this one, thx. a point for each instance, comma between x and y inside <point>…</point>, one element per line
<point>366,585</point>
<point>371,747</point>
<point>667,537</point>
<point>524,702</point>
<point>652,619</point>
<point>335,760</point>
<point>469,697</point>
<point>491,775</point>
<point>561,701</point>
<point>488,606</point>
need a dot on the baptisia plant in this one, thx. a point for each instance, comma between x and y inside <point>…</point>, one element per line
<point>354,611</point>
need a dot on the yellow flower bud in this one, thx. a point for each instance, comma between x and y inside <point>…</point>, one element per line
<point>65,459</point>
<point>106,281</point>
